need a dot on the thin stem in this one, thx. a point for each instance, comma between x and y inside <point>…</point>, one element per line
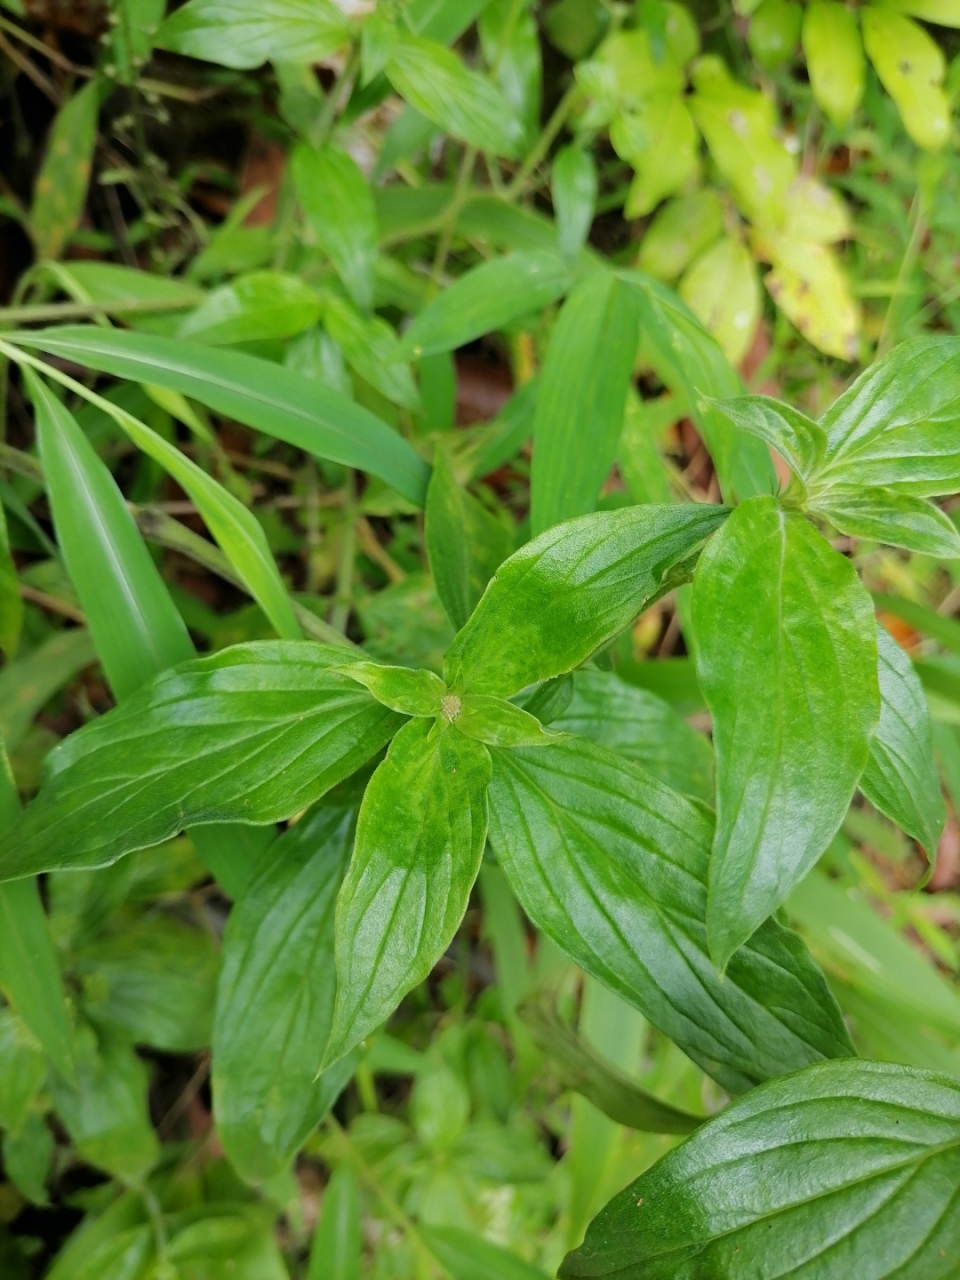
<point>917,232</point>
<point>45,85</point>
<point>344,596</point>
<point>321,130</point>
<point>53,311</point>
<point>22,464</point>
<point>543,144</point>
<point>451,213</point>
<point>53,603</point>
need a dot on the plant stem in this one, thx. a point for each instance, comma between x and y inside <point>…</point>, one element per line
<point>344,596</point>
<point>451,213</point>
<point>54,311</point>
<point>544,142</point>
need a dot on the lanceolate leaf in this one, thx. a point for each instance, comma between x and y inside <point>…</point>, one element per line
<point>580,405</point>
<point>897,426</point>
<point>612,865</point>
<point>284,404</point>
<point>274,726</point>
<point>642,727</point>
<point>800,441</point>
<point>887,515</point>
<point>338,1243</point>
<point>64,177</point>
<point>486,298</point>
<point>11,606</point>
<point>275,999</point>
<point>338,205</point>
<point>901,775</point>
<point>420,838</point>
<point>245,33</point>
<point>844,1169</point>
<point>567,592</point>
<point>786,658</point>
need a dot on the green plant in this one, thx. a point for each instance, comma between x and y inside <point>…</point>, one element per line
<point>443,686</point>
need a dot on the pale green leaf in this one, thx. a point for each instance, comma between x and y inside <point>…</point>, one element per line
<point>246,33</point>
<point>339,209</point>
<point>835,61</point>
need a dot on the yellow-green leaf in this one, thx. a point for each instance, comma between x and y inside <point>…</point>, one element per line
<point>835,61</point>
<point>722,290</point>
<point>681,229</point>
<point>660,140</point>
<point>911,67</point>
<point>809,285</point>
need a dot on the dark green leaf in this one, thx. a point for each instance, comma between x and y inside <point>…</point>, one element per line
<point>339,207</point>
<point>464,104</point>
<point>901,775</point>
<point>27,1155</point>
<point>485,299</point>
<point>897,426</point>
<point>887,515</point>
<point>105,1112</point>
<point>845,1169</point>
<point>580,405</point>
<point>420,838</point>
<point>639,725</point>
<point>275,999</point>
<point>245,33</point>
<point>569,591</point>
<point>574,190</point>
<point>468,1256</point>
<point>799,440</point>
<point>465,544</point>
<point>786,658</point>
<point>692,365</point>
<point>612,865</point>
<point>579,1067</point>
<point>61,188</point>
<point>275,728</point>
<point>337,1242</point>
<point>275,400</point>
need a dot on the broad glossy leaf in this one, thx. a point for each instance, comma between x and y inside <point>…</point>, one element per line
<point>580,403</point>
<point>94,525</point>
<point>467,1256</point>
<point>275,998</point>
<point>844,1169</point>
<point>579,1067</point>
<point>253,391</point>
<point>412,693</point>
<point>680,230</point>
<point>485,299</point>
<point>835,61</point>
<point>721,289</point>
<point>465,543</point>
<point>799,440</point>
<point>275,728</point>
<point>264,304</point>
<point>887,515</point>
<point>245,33</point>
<point>691,364</point>
<point>573,188</point>
<point>898,425</point>
<point>61,187</point>
<point>463,103</point>
<point>105,1111</point>
<point>153,981</point>
<point>339,208</point>
<point>641,727</point>
<point>29,968</point>
<point>11,605</point>
<point>901,776</point>
<point>612,865</point>
<point>420,838</point>
<point>912,67</point>
<point>794,703</point>
<point>809,285</point>
<point>337,1242</point>
<point>563,595</point>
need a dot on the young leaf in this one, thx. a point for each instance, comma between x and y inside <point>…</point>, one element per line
<point>786,658</point>
<point>338,206</point>
<point>465,544</point>
<point>275,726</point>
<point>413,693</point>
<point>263,304</point>
<point>245,33</point>
<point>898,426</point>
<point>583,389</point>
<point>420,838</point>
<point>889,516</point>
<point>844,1169</point>
<point>439,86</point>
<point>485,299</point>
<point>337,1242</point>
<point>496,722</point>
<point>580,1067</point>
<point>569,591</point>
<point>901,776</point>
<point>260,394</point>
<point>835,61</point>
<point>799,440</point>
<point>61,189</point>
<point>29,968</point>
<point>692,365</point>
<point>11,605</point>
<point>612,865</point>
<point>275,999</point>
<point>642,727</point>
<point>573,186</point>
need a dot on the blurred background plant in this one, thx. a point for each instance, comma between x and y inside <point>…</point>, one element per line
<point>296,179</point>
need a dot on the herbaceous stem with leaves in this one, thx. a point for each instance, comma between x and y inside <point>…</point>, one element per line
<point>638,675</point>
